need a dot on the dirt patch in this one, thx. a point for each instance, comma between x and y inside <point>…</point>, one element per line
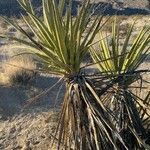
<point>29,130</point>
<point>33,127</point>
<point>14,98</point>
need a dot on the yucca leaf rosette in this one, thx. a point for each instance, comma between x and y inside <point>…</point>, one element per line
<point>61,41</point>
<point>119,62</point>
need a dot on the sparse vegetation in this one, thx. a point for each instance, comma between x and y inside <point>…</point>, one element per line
<point>61,47</point>
<point>99,111</point>
<point>148,4</point>
<point>121,63</point>
<point>19,70</point>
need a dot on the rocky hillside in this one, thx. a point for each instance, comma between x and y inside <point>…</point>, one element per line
<point>131,7</point>
<point>11,7</point>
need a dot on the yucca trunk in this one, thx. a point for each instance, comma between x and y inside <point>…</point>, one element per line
<point>84,121</point>
<point>129,123</point>
<point>125,109</point>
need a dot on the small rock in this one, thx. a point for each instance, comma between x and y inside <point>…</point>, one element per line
<point>17,147</point>
<point>26,146</point>
<point>12,130</point>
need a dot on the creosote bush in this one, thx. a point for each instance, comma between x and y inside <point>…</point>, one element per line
<point>20,70</point>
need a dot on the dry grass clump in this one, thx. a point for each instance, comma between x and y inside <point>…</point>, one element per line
<point>3,25</point>
<point>20,70</point>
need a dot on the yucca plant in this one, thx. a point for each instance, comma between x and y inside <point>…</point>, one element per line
<point>119,63</point>
<point>61,41</point>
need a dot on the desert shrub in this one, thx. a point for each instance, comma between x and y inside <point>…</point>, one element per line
<point>148,5</point>
<point>11,29</point>
<point>20,70</point>
<point>122,29</point>
<point>120,64</point>
<point>3,25</point>
<point>61,42</point>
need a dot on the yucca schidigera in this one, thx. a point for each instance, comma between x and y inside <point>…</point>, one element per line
<point>62,41</point>
<point>120,64</point>
<point>125,58</point>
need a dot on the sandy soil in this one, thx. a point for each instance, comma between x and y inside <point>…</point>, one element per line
<point>28,130</point>
<point>33,128</point>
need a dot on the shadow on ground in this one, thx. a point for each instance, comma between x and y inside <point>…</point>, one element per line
<point>14,98</point>
<point>12,9</point>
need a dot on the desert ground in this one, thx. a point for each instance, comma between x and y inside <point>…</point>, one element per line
<point>32,127</point>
